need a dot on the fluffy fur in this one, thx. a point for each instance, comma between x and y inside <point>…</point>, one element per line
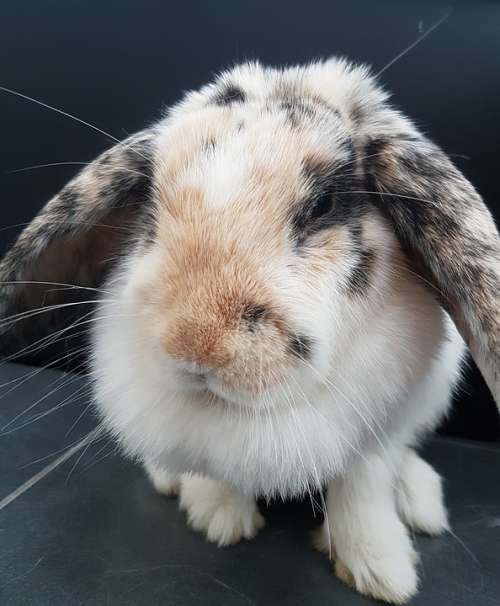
<point>277,322</point>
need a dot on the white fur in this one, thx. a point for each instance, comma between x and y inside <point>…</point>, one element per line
<point>381,374</point>
<point>164,482</point>
<point>373,549</point>
<point>343,429</point>
<point>224,514</point>
<point>364,530</point>
<point>419,496</point>
<point>403,374</point>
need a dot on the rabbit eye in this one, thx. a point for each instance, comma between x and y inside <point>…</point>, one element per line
<point>310,216</point>
<point>321,206</point>
<point>329,200</point>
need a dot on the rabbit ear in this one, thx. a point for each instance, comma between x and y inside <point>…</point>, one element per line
<point>65,252</point>
<point>450,235</point>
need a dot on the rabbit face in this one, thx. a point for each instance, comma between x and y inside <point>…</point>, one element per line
<point>259,237</point>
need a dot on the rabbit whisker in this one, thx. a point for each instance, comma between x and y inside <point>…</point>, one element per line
<point>422,37</point>
<point>17,492</point>
<point>66,114</point>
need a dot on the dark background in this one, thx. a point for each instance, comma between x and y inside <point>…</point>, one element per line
<point>116,64</point>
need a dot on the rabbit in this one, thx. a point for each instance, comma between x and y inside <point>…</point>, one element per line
<point>288,274</point>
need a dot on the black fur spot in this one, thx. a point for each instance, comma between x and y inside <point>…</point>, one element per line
<point>357,114</point>
<point>209,145</point>
<point>64,212</point>
<point>230,94</point>
<point>429,225</point>
<point>300,346</point>
<point>373,148</point>
<point>131,179</point>
<point>125,190</point>
<point>296,111</point>
<point>360,278</point>
<point>68,200</point>
<point>254,314</point>
<point>330,201</point>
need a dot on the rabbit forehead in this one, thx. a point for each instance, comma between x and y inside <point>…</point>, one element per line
<point>335,83</point>
<point>253,132</point>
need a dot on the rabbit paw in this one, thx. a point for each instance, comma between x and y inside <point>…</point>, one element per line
<point>224,515</point>
<point>420,496</point>
<point>379,561</point>
<point>163,481</point>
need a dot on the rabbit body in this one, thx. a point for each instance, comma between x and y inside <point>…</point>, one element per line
<point>289,268</point>
<point>240,357</point>
<point>385,378</point>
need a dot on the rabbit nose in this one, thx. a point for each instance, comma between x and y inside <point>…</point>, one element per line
<point>198,346</point>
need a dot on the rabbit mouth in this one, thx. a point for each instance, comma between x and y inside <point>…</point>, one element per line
<point>194,382</point>
<point>236,397</point>
<point>208,385</point>
<point>205,384</point>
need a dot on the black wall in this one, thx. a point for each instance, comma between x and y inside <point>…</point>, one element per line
<point>116,64</point>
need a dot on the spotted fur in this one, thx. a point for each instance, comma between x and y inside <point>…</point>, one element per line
<point>277,252</point>
<point>74,240</point>
<point>439,218</point>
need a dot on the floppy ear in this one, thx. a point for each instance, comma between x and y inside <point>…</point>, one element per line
<point>450,235</point>
<point>69,247</point>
